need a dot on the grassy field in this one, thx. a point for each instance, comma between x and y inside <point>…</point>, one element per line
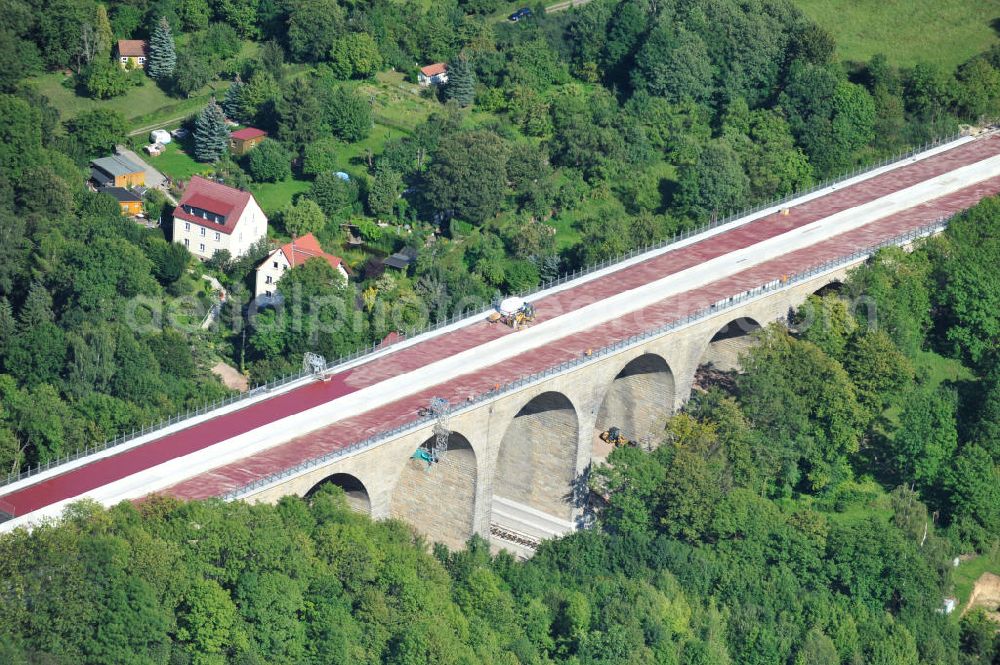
<point>938,369</point>
<point>968,572</point>
<point>272,196</point>
<point>143,105</point>
<point>945,32</point>
<point>176,163</point>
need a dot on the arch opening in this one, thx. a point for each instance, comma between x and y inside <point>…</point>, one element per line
<point>439,499</point>
<point>639,399</point>
<point>720,361</point>
<point>536,464</point>
<point>833,288</point>
<point>354,490</point>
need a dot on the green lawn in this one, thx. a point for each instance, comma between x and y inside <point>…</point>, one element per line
<point>945,32</point>
<point>968,572</point>
<point>272,196</point>
<point>176,163</point>
<point>397,102</point>
<point>567,234</point>
<point>938,369</point>
<point>142,106</point>
<point>352,157</point>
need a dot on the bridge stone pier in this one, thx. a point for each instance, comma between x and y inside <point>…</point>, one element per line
<point>516,465</point>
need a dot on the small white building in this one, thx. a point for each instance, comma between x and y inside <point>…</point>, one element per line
<point>161,136</point>
<point>212,216</point>
<point>286,257</point>
<point>436,74</point>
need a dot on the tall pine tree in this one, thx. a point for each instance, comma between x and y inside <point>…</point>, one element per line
<point>232,103</point>
<point>162,56</point>
<point>103,32</point>
<point>301,118</point>
<point>211,137</point>
<point>461,81</point>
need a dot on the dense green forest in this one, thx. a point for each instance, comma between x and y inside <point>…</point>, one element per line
<point>806,516</point>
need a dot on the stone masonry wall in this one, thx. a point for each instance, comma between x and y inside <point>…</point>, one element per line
<point>439,500</point>
<point>637,401</point>
<point>537,457</point>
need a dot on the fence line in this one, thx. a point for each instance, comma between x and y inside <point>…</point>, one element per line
<point>614,347</point>
<point>458,316</point>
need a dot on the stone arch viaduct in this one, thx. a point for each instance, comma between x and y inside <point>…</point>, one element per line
<point>516,464</point>
<point>618,345</point>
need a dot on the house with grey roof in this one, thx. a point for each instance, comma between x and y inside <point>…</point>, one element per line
<point>116,171</point>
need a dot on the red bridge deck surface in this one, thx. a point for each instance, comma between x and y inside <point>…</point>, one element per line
<point>338,435</point>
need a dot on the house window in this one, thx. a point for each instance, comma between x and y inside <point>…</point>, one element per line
<point>218,236</point>
<point>141,59</point>
<point>275,264</point>
<point>203,230</point>
<point>267,293</point>
<point>201,247</point>
<point>124,59</point>
<point>269,280</point>
<point>187,243</point>
<point>187,226</point>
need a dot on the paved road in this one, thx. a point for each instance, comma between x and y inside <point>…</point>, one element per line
<point>228,451</point>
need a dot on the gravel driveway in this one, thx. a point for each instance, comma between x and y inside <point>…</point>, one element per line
<point>153,177</point>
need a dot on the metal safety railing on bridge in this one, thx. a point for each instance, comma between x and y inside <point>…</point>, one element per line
<point>207,407</point>
<point>634,340</point>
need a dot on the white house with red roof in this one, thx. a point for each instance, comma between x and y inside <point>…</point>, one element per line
<point>434,74</point>
<point>132,51</point>
<point>287,257</point>
<point>212,216</point>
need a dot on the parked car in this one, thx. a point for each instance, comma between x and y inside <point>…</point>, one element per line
<point>523,12</point>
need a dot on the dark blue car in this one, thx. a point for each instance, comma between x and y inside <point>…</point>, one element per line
<point>523,12</point>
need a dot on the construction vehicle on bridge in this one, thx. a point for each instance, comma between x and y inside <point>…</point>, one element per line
<point>614,436</point>
<point>514,312</point>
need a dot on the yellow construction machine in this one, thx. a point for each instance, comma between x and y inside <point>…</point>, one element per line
<point>514,312</point>
<point>614,436</point>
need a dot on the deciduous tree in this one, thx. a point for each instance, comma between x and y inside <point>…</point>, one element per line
<point>269,162</point>
<point>469,174</point>
<point>384,191</point>
<point>302,217</point>
<point>348,114</point>
<point>355,55</point>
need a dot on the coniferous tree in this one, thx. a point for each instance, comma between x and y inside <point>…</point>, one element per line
<point>461,81</point>
<point>8,327</point>
<point>37,307</point>
<point>105,35</point>
<point>232,103</point>
<point>162,56</point>
<point>301,117</point>
<point>211,137</point>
